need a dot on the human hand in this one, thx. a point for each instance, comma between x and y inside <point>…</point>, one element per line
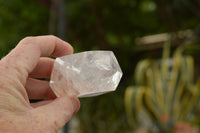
<point>18,71</point>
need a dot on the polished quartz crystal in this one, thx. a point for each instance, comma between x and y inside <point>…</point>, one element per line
<point>85,74</point>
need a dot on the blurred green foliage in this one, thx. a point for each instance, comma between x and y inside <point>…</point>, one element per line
<point>18,19</point>
<point>164,94</point>
<point>100,24</point>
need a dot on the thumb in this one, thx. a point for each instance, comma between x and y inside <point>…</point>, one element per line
<point>56,114</point>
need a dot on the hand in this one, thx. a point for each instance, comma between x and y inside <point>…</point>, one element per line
<point>18,71</point>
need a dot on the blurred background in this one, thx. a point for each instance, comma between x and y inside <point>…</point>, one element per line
<point>155,41</point>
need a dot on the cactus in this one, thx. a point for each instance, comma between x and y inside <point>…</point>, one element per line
<point>164,92</point>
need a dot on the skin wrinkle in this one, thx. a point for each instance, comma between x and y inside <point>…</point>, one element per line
<point>40,103</point>
<point>15,106</point>
<point>20,84</point>
<point>30,40</point>
<point>35,49</point>
<point>18,71</point>
<point>54,48</point>
<point>25,66</point>
<point>19,93</point>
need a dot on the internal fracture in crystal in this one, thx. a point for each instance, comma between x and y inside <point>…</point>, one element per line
<point>85,74</point>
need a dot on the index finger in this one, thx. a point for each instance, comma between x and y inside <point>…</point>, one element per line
<point>25,56</point>
<point>49,45</point>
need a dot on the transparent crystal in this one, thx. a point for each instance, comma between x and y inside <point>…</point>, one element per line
<point>85,74</point>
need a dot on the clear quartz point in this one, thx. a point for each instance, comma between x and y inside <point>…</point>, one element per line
<point>85,74</point>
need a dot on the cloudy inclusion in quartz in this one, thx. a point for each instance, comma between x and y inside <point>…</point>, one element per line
<point>85,74</point>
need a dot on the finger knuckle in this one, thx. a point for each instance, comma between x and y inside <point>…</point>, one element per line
<point>52,36</point>
<point>27,40</point>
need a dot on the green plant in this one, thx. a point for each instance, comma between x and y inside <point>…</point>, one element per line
<point>164,93</point>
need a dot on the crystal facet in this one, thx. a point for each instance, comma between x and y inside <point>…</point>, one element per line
<point>85,74</point>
